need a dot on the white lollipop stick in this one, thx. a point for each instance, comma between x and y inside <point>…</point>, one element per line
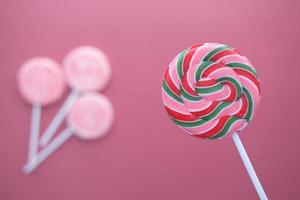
<point>41,82</point>
<point>89,118</point>
<point>59,117</point>
<point>47,151</point>
<point>239,145</point>
<point>34,131</point>
<point>86,69</point>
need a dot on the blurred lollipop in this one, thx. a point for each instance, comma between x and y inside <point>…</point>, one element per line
<point>87,69</point>
<point>41,82</point>
<point>90,117</point>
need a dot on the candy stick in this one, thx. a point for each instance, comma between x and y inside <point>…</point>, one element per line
<point>34,131</point>
<point>239,145</point>
<point>41,82</point>
<point>48,150</point>
<point>90,117</point>
<point>86,69</point>
<point>211,91</point>
<point>59,117</point>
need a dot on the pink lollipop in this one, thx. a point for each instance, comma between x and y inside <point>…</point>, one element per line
<point>41,82</point>
<point>90,117</point>
<point>87,69</point>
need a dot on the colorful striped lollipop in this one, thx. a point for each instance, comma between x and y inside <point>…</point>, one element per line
<point>211,91</point>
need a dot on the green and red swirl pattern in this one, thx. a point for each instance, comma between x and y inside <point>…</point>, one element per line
<point>210,90</point>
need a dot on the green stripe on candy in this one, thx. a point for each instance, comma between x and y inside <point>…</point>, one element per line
<point>207,90</point>
<point>203,119</point>
<point>187,96</point>
<point>180,63</point>
<point>189,124</point>
<point>248,115</point>
<point>243,66</point>
<point>225,129</point>
<point>234,82</point>
<point>171,93</point>
<point>201,68</point>
<point>215,51</point>
<point>216,111</point>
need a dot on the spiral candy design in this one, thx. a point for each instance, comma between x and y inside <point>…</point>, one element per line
<point>41,80</point>
<point>210,90</point>
<point>91,115</point>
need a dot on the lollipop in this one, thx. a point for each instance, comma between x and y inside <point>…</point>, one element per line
<point>86,69</point>
<point>211,91</point>
<point>41,82</point>
<point>90,118</point>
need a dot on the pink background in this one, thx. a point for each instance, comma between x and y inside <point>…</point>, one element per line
<point>145,156</point>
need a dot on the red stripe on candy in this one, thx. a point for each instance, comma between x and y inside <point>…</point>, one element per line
<point>207,110</point>
<point>170,83</point>
<point>233,92</point>
<point>212,68</point>
<point>188,57</point>
<point>206,83</point>
<point>223,120</point>
<point>187,87</point>
<point>222,54</point>
<point>180,116</point>
<point>250,76</point>
<point>243,110</point>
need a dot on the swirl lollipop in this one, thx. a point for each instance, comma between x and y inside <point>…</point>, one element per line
<point>90,118</point>
<point>41,82</point>
<point>87,69</point>
<point>211,91</point>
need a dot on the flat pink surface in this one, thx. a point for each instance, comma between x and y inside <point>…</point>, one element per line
<point>145,156</point>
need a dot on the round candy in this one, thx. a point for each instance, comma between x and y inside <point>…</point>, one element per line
<point>87,68</point>
<point>41,81</point>
<point>91,116</point>
<point>211,90</point>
